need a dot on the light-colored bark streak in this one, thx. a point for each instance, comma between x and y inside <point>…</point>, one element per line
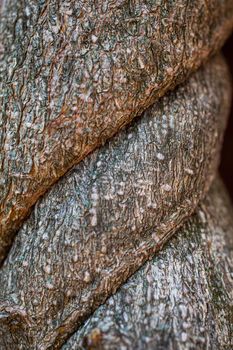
<point>108,215</point>
<point>180,300</point>
<point>74,72</point>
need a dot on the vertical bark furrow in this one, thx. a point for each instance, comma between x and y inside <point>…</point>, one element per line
<point>74,72</point>
<point>108,215</point>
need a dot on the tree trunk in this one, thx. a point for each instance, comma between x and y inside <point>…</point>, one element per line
<point>97,225</point>
<point>74,72</point>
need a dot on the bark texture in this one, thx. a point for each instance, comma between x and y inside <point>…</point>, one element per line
<point>108,215</point>
<point>74,72</point>
<point>180,300</point>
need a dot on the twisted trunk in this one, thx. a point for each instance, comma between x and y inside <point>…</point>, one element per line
<point>73,74</point>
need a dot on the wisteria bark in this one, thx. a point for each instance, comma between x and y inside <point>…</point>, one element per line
<point>115,89</point>
<point>74,72</point>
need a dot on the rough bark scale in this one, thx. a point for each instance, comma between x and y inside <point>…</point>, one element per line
<point>74,72</point>
<point>182,299</point>
<point>101,221</point>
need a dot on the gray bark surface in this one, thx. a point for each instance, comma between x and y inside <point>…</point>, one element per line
<point>74,72</point>
<point>180,300</point>
<point>107,216</point>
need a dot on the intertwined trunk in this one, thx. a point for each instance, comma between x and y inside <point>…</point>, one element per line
<point>112,120</point>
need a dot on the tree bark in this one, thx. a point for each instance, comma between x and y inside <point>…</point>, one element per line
<point>180,300</point>
<point>74,72</point>
<point>107,216</point>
